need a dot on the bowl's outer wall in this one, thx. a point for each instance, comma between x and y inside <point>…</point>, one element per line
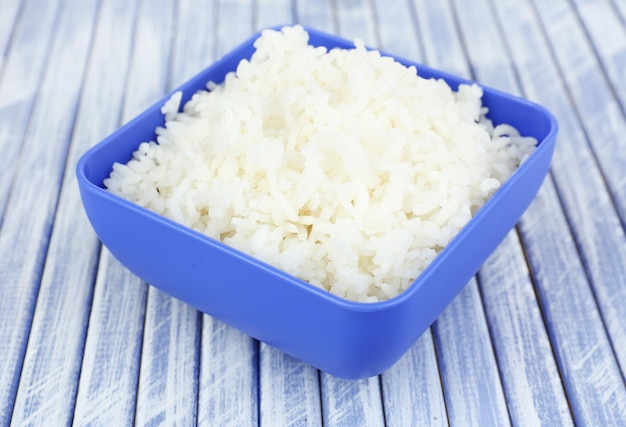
<point>346,339</point>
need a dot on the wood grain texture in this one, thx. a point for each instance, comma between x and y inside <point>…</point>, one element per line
<point>289,390</point>
<point>467,363</point>
<point>606,32</point>
<point>35,188</point>
<point>412,392</point>
<point>597,108</point>
<point>530,378</point>
<point>355,19</point>
<point>228,394</point>
<point>147,82</point>
<point>576,327</point>
<point>397,31</point>
<point>20,80</point>
<point>168,378</point>
<point>528,371</point>
<point>235,24</point>
<point>603,121</point>
<point>273,12</point>
<point>8,20</point>
<point>55,349</point>
<point>318,14</point>
<point>351,402</point>
<point>110,370</point>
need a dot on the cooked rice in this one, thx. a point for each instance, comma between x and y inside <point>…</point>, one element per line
<point>342,167</point>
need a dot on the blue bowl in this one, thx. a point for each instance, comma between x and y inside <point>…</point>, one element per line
<point>344,338</point>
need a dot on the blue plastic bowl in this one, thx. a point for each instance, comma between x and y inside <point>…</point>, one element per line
<point>344,338</point>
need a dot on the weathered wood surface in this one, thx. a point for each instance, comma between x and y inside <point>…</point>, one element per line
<point>537,338</point>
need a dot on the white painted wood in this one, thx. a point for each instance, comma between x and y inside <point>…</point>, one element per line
<point>604,124</point>
<point>599,111</point>
<point>168,379</point>
<point>19,82</point>
<point>234,24</point>
<point>136,400</point>
<point>351,402</point>
<point>607,32</point>
<point>316,14</point>
<point>576,327</point>
<point>289,390</point>
<point>273,12</point>
<point>110,369</point>
<point>195,40</point>
<point>531,381</point>
<point>440,39</point>
<point>412,392</point>
<point>592,380</point>
<point>8,18</point>
<point>397,30</point>
<point>532,385</point>
<point>355,19</point>
<point>228,394</point>
<point>49,377</point>
<point>471,381</point>
<point>28,217</point>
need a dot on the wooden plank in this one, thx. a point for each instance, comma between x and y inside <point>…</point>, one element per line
<point>49,377</point>
<point>439,37</point>
<point>531,381</point>
<point>168,378</point>
<point>114,338</point>
<point>532,385</point>
<point>194,50</point>
<point>607,33</point>
<point>228,376</point>
<point>594,99</point>
<point>355,19</point>
<point>273,12</point>
<point>604,123</point>
<point>35,187</point>
<point>20,80</point>
<point>594,386</point>
<point>289,390</point>
<point>576,329</point>
<point>351,402</point>
<point>397,29</point>
<point>8,19</point>
<point>318,15</point>
<point>412,392</point>
<point>110,370</point>
<point>471,381</point>
<point>235,24</point>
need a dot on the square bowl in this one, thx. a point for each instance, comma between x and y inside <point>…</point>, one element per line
<point>344,338</point>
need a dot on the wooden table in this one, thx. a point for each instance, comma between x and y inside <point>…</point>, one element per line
<point>538,337</point>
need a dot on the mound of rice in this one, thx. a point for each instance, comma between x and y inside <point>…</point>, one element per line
<point>341,167</point>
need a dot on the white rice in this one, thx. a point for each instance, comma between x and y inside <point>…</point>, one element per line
<point>340,167</point>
